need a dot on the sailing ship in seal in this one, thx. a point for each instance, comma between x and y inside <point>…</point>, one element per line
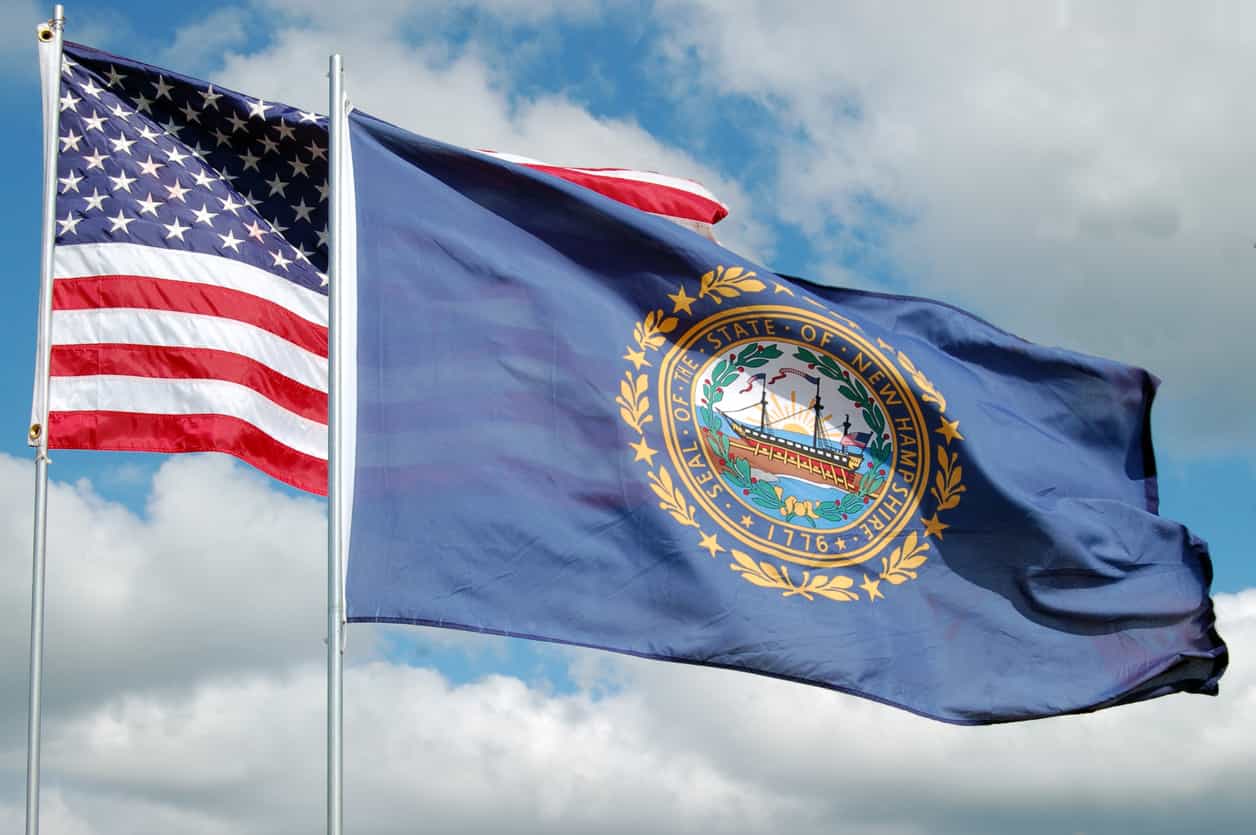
<point>822,462</point>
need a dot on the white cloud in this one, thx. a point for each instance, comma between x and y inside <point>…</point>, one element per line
<point>182,699</point>
<point>55,817</point>
<point>199,43</point>
<point>384,16</point>
<point>118,584</point>
<point>679,750</point>
<point>1079,176</point>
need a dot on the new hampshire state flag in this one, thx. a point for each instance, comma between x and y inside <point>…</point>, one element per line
<point>576,422</point>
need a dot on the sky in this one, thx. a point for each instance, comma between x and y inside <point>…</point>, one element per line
<point>1076,175</point>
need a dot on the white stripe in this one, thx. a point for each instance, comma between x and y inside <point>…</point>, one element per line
<point>679,183</point>
<point>188,330</point>
<point>189,397</point>
<point>81,260</point>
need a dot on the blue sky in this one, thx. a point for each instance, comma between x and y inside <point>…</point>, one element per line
<point>1048,169</point>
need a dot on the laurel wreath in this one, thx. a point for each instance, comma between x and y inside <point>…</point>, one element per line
<point>928,392</point>
<point>768,576</point>
<point>651,332</point>
<point>901,565</point>
<point>948,482</point>
<point>672,498</point>
<point>634,405</point>
<point>720,284</point>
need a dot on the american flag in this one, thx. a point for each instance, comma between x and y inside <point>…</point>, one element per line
<point>859,439</point>
<point>190,286</point>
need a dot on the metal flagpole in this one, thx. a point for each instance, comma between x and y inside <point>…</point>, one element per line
<point>49,35</point>
<point>335,356</point>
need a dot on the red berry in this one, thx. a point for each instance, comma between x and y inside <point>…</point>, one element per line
<point>720,389</point>
<point>867,499</point>
<point>732,358</point>
<point>885,436</point>
<point>880,472</point>
<point>811,365</point>
<point>740,368</point>
<point>754,480</point>
<point>745,492</point>
<point>844,516</point>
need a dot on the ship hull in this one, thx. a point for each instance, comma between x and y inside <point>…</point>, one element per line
<point>826,468</point>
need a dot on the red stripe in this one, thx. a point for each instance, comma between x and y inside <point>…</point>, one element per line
<point>650,197</point>
<point>132,432</point>
<point>146,293</point>
<point>163,362</point>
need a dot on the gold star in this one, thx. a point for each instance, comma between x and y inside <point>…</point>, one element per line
<point>644,453</point>
<point>840,543</point>
<point>949,430</point>
<point>934,526</point>
<point>708,542</point>
<point>637,358</point>
<point>872,587</point>
<point>682,301</point>
<point>781,288</point>
<point>746,522</point>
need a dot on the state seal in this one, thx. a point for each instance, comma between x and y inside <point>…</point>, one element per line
<point>808,449</point>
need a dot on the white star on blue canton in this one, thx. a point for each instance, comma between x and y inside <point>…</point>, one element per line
<point>149,206</point>
<point>68,223</point>
<point>120,222</point>
<point>232,150</point>
<point>95,201</point>
<point>70,182</point>
<point>175,230</point>
<point>209,98</point>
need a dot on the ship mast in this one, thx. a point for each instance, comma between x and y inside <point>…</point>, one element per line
<point>763,404</point>
<point>815,435</point>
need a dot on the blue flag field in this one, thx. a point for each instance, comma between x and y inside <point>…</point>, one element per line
<point>580,423</point>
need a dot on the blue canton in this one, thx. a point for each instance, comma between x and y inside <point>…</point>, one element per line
<point>151,157</point>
